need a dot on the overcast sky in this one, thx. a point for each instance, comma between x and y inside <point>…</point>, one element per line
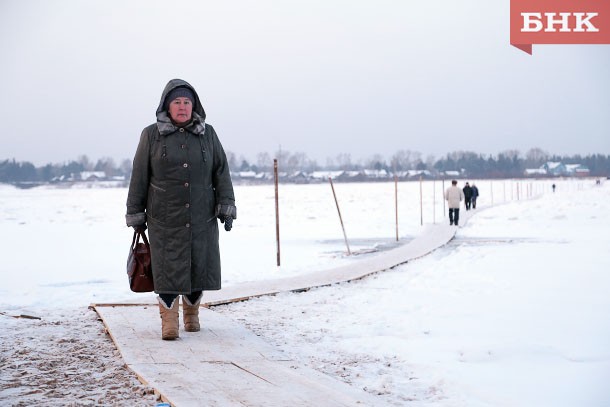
<point>321,77</point>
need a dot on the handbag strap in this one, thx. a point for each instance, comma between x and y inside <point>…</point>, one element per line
<point>136,239</point>
<point>145,239</point>
<point>133,241</point>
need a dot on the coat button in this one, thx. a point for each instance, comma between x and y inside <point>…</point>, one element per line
<point>181,129</point>
<point>186,184</point>
<point>188,225</point>
<point>183,146</point>
<point>185,165</point>
<point>187,205</point>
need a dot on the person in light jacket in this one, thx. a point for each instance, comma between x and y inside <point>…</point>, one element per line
<point>180,185</point>
<point>453,196</point>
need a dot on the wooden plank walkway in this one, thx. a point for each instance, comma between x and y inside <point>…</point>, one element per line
<point>227,365</point>
<point>222,365</point>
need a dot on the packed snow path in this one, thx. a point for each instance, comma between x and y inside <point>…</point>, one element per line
<point>227,365</point>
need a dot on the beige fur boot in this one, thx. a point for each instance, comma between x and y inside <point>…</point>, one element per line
<point>190,314</point>
<point>169,319</point>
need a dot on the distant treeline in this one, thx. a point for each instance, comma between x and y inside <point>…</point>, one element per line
<point>507,164</point>
<point>12,171</point>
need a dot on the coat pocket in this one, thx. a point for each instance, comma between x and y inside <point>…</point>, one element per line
<point>157,205</point>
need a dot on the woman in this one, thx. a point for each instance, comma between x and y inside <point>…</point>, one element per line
<point>180,184</point>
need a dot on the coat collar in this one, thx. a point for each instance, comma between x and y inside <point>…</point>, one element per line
<point>165,125</point>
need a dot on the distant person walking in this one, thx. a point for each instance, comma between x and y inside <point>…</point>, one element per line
<point>180,185</point>
<point>467,196</point>
<point>453,196</point>
<point>475,195</point>
<point>553,187</point>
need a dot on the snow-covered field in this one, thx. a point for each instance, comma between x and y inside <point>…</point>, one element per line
<point>70,245</point>
<point>514,312</point>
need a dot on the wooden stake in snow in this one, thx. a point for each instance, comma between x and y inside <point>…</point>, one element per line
<point>396,202</point>
<point>277,211</point>
<point>443,191</point>
<point>340,218</point>
<point>434,201</point>
<point>421,202</point>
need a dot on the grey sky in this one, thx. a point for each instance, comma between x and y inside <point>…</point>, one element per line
<point>320,77</point>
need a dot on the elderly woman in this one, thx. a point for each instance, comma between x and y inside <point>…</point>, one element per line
<point>180,185</point>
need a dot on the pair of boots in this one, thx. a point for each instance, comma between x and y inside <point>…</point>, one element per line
<point>170,317</point>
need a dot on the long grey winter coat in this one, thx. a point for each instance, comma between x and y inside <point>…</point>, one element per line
<point>180,183</point>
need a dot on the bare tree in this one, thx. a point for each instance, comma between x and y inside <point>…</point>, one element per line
<point>296,162</point>
<point>125,167</point>
<point>264,161</point>
<point>536,157</point>
<point>85,162</point>
<point>377,162</point>
<point>511,154</point>
<point>344,161</point>
<point>107,165</point>
<point>405,159</point>
<point>243,165</point>
<point>430,160</point>
<point>282,156</point>
<point>232,160</point>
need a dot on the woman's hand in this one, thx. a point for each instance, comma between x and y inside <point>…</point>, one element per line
<point>228,221</point>
<point>140,228</point>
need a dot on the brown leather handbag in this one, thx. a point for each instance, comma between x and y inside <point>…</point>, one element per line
<point>139,266</point>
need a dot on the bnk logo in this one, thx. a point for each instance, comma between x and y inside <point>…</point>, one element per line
<point>532,22</point>
<point>559,22</point>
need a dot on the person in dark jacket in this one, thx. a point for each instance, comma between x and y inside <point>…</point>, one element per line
<point>475,195</point>
<point>180,185</point>
<point>467,196</point>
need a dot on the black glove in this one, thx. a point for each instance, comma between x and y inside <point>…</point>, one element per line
<point>228,221</point>
<point>140,228</point>
<point>226,213</point>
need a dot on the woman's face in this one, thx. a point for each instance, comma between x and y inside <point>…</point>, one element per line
<point>181,110</point>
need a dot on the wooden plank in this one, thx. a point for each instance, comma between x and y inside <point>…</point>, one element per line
<point>224,364</point>
<point>137,331</point>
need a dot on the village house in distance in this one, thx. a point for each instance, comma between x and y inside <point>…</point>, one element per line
<point>466,166</point>
<point>558,169</point>
<point>547,170</point>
